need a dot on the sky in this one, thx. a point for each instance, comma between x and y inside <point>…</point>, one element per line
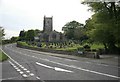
<point>16,15</point>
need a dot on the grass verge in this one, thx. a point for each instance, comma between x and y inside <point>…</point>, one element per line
<point>3,57</point>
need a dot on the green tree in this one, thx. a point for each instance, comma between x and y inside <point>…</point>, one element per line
<point>30,34</point>
<point>37,31</point>
<point>2,34</point>
<point>22,35</point>
<point>71,29</point>
<point>14,39</point>
<point>104,25</point>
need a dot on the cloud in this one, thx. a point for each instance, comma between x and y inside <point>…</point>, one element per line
<point>10,33</point>
<point>28,14</point>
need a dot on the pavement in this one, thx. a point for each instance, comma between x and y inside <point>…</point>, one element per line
<point>24,64</point>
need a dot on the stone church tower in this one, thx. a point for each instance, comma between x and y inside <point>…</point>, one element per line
<point>48,34</point>
<point>47,24</point>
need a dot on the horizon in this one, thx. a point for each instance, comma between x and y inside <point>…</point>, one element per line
<point>30,15</point>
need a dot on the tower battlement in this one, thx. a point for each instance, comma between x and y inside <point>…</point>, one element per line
<point>48,24</point>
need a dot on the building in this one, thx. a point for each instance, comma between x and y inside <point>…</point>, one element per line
<point>50,35</point>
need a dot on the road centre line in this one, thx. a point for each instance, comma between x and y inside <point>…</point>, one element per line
<point>91,71</point>
<point>72,60</point>
<point>54,68</point>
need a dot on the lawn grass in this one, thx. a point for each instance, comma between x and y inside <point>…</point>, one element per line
<point>97,46</point>
<point>74,48</point>
<point>3,57</point>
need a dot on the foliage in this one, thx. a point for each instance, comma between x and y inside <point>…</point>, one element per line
<point>74,30</point>
<point>97,46</point>
<point>22,43</point>
<point>14,39</point>
<point>30,35</point>
<point>3,57</point>
<point>2,34</point>
<point>103,27</point>
<point>22,35</point>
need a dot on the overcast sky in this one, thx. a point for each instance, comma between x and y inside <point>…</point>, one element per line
<point>16,15</point>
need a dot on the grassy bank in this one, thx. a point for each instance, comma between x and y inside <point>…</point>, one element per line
<point>3,57</point>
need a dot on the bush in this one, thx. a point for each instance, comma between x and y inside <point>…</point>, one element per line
<point>3,57</point>
<point>22,43</point>
<point>80,49</point>
<point>86,48</point>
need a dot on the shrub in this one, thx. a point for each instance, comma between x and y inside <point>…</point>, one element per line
<point>86,47</point>
<point>22,43</point>
<point>3,57</point>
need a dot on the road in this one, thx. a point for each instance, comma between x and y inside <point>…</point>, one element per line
<point>24,64</point>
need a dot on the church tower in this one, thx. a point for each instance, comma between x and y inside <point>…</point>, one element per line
<point>47,24</point>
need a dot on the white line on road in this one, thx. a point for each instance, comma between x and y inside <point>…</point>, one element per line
<point>91,71</point>
<point>103,64</point>
<point>54,68</point>
<point>62,58</point>
<point>37,78</point>
<point>71,66</point>
<point>24,75</point>
<point>10,78</point>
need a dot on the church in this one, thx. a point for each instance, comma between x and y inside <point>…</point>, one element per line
<point>48,34</point>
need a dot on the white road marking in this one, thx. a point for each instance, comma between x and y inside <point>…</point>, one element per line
<point>38,78</point>
<point>87,62</point>
<point>21,72</point>
<point>33,56</point>
<point>60,69</point>
<point>14,66</point>
<point>31,74</point>
<point>44,65</point>
<point>71,60</point>
<point>56,57</point>
<point>103,64</point>
<point>18,70</point>
<point>55,68</point>
<point>22,67</point>
<point>76,68</point>
<point>61,58</point>
<point>86,70</point>
<point>25,69</point>
<point>9,78</point>
<point>24,75</point>
<point>28,71</point>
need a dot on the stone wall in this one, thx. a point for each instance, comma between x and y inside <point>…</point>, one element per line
<point>75,53</point>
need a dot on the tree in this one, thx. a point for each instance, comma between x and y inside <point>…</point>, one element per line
<point>1,32</point>
<point>104,25</point>
<point>37,31</point>
<point>30,34</point>
<point>14,39</point>
<point>22,35</point>
<point>71,29</point>
<point>80,34</point>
